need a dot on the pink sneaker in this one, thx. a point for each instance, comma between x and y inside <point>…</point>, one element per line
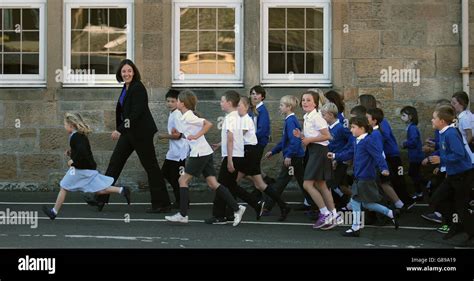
<point>323,220</point>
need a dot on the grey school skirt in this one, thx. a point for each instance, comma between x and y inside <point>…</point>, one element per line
<point>366,191</point>
<point>318,165</point>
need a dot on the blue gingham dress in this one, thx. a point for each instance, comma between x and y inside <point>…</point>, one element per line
<point>85,180</point>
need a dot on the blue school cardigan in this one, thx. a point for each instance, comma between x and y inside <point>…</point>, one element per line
<point>263,125</point>
<point>452,152</point>
<point>339,138</point>
<point>290,144</point>
<point>413,144</point>
<point>390,145</point>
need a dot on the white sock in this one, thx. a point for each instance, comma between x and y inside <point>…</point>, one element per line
<point>54,211</point>
<point>438,214</point>
<point>390,214</point>
<point>334,213</point>
<point>324,211</point>
<point>338,192</point>
<point>399,204</point>
<point>121,189</point>
<point>355,228</point>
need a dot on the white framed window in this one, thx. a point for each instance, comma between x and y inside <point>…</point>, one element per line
<point>207,43</point>
<point>22,43</point>
<point>296,43</point>
<point>98,36</point>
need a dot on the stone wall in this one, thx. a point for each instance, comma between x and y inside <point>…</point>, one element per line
<point>382,34</point>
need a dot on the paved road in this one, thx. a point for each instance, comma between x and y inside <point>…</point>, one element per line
<point>81,226</point>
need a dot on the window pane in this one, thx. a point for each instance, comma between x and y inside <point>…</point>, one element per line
<point>314,40</point>
<point>295,40</point>
<point>276,40</point>
<point>1,22</point>
<point>30,41</point>
<point>226,19</point>
<point>118,18</point>
<point>98,41</point>
<point>30,64</point>
<point>207,41</point>
<point>276,63</point>
<point>30,19</point>
<point>189,63</point>
<point>11,63</point>
<point>314,18</point>
<point>117,42</point>
<point>98,62</point>
<point>226,63</point>
<point>208,63</point>
<point>276,18</point>
<point>188,18</point>
<point>207,18</point>
<point>314,63</point>
<point>79,61</point>
<point>188,41</point>
<point>79,18</point>
<point>1,64</point>
<point>80,41</point>
<point>226,41</point>
<point>295,18</point>
<point>12,42</point>
<point>295,63</point>
<point>114,61</point>
<point>99,17</point>
<point>11,19</point>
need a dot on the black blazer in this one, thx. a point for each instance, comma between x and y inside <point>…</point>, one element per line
<point>81,153</point>
<point>135,109</point>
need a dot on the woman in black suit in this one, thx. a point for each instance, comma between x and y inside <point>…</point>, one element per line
<point>135,129</point>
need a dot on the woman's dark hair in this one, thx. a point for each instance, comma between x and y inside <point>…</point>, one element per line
<point>361,121</point>
<point>368,101</point>
<point>359,110</point>
<point>411,112</point>
<point>259,90</point>
<point>172,93</point>
<point>462,99</point>
<point>136,73</point>
<point>377,114</point>
<point>336,98</point>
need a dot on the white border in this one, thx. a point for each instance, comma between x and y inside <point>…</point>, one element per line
<point>208,80</point>
<point>300,80</point>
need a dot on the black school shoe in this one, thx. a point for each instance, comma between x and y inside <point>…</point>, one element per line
<point>49,212</point>
<point>396,218</point>
<point>351,233</point>
<point>259,209</point>
<point>126,193</point>
<point>454,230</point>
<point>284,213</point>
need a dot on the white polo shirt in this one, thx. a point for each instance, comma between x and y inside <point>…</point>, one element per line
<point>466,121</point>
<point>190,125</point>
<point>178,149</point>
<point>313,123</point>
<point>233,123</point>
<point>250,136</point>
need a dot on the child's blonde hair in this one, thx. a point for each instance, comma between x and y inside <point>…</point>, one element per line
<point>76,120</point>
<point>189,99</point>
<point>330,108</point>
<point>318,96</point>
<point>290,101</point>
<point>245,100</point>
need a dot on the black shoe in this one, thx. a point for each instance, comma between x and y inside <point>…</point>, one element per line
<point>284,213</point>
<point>351,233</point>
<point>453,231</point>
<point>396,218</point>
<point>100,206</point>
<point>159,210</point>
<point>126,193</point>
<point>214,220</point>
<point>49,212</point>
<point>259,209</point>
<point>90,199</point>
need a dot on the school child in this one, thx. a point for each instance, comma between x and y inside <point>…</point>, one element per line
<point>232,151</point>
<point>200,160</point>
<point>409,115</point>
<point>82,174</point>
<point>178,147</point>
<point>452,196</point>
<point>318,169</point>
<point>392,154</point>
<point>367,155</point>
<point>460,102</point>
<point>251,167</point>
<point>375,118</point>
<point>338,142</point>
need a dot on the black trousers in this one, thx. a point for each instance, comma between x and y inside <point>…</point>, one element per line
<point>398,179</point>
<point>452,200</point>
<point>146,153</point>
<point>229,180</point>
<point>171,171</point>
<point>295,170</point>
<point>414,171</point>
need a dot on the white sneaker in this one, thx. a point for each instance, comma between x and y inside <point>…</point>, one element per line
<point>238,215</point>
<point>177,218</point>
